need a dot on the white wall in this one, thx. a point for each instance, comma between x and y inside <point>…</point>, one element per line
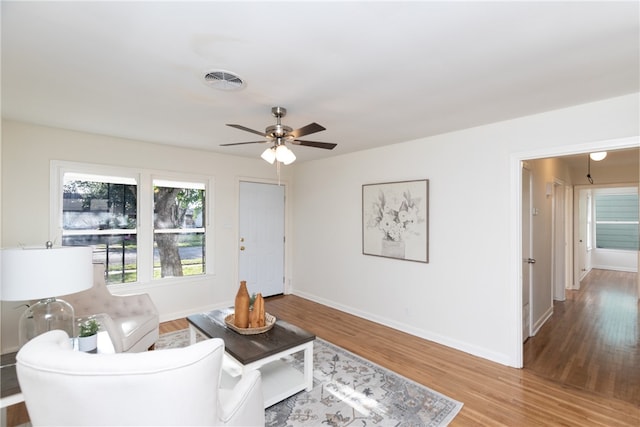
<point>468,295</point>
<point>26,154</point>
<point>612,259</point>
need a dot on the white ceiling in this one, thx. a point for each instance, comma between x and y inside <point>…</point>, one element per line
<point>372,73</point>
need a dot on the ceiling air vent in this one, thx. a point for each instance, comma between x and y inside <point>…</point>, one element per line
<point>223,80</point>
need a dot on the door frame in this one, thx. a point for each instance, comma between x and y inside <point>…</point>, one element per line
<point>287,226</point>
<point>515,225</point>
<point>528,241</point>
<point>561,249</point>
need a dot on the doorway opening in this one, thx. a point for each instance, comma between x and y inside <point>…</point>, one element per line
<point>563,272</point>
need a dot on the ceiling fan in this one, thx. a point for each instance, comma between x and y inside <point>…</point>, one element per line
<point>277,135</point>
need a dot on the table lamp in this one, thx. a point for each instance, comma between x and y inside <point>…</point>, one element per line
<point>41,273</point>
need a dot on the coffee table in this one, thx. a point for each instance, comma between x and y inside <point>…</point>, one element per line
<point>265,352</point>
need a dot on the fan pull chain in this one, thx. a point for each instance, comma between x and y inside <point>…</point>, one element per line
<point>278,171</point>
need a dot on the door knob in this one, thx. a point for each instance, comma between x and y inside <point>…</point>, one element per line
<point>531,261</point>
<point>242,248</point>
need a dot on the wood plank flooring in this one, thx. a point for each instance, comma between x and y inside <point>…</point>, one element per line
<point>591,341</point>
<point>495,395</point>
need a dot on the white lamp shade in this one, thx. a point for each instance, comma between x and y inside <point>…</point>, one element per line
<point>36,273</point>
<point>269,155</point>
<point>284,155</point>
<point>600,155</point>
<point>290,158</point>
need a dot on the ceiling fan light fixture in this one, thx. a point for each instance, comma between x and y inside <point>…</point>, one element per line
<point>280,134</point>
<point>269,155</point>
<point>284,155</point>
<point>600,155</point>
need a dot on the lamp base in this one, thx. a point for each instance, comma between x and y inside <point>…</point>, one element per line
<point>46,315</point>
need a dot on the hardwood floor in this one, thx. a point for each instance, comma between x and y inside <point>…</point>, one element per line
<point>493,394</point>
<point>591,341</point>
<point>549,392</point>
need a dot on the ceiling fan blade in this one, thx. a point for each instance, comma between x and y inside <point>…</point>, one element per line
<point>306,130</point>
<point>243,143</point>
<point>325,145</point>
<point>247,129</point>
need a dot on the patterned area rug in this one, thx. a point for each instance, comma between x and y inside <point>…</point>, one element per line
<point>351,391</point>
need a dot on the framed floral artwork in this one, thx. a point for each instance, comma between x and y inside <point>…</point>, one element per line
<point>395,220</point>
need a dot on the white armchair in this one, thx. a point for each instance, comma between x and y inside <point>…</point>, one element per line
<point>63,387</point>
<point>131,320</point>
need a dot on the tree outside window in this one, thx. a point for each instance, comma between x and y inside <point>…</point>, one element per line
<point>178,228</point>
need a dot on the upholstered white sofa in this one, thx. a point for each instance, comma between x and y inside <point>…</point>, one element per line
<point>132,321</point>
<point>176,387</point>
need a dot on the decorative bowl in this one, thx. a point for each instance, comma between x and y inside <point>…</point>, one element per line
<point>269,321</point>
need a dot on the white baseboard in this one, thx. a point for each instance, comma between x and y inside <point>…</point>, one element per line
<point>541,321</point>
<point>615,268</point>
<point>503,359</point>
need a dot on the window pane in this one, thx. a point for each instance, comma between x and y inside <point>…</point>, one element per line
<point>623,207</point>
<point>92,209</point>
<point>179,232</point>
<point>617,220</point>
<point>191,253</point>
<point>117,251</point>
<point>90,205</point>
<point>617,236</point>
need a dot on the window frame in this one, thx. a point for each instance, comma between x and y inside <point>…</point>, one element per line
<point>591,228</point>
<point>144,221</point>
<point>156,180</point>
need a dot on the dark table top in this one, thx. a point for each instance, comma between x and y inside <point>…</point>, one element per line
<point>249,348</point>
<point>8,376</point>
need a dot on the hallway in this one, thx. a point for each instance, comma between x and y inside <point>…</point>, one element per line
<point>591,341</point>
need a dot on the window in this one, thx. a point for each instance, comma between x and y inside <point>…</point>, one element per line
<point>178,231</point>
<point>616,214</point>
<point>107,208</point>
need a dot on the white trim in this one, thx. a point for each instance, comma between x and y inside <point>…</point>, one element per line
<point>535,328</point>
<point>616,222</point>
<point>72,176</point>
<point>178,184</point>
<point>617,190</point>
<point>108,232</point>
<point>178,230</point>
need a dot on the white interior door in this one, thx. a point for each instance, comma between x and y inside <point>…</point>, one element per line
<point>261,246</point>
<point>526,253</point>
